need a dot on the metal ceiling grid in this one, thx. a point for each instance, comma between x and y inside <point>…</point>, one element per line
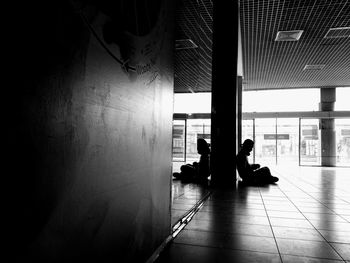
<point>193,66</point>
<point>268,64</point>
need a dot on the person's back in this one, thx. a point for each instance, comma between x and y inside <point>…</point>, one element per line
<point>196,172</point>
<point>243,166</point>
<point>252,173</point>
<point>204,163</point>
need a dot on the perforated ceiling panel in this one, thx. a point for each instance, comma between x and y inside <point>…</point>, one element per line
<point>270,64</point>
<point>193,65</point>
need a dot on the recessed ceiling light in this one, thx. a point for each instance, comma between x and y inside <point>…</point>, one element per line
<point>338,32</point>
<point>184,44</point>
<point>314,67</point>
<point>292,35</point>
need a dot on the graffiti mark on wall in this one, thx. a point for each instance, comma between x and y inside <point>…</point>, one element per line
<point>132,32</point>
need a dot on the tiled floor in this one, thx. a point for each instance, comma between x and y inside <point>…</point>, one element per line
<point>305,217</point>
<point>185,196</point>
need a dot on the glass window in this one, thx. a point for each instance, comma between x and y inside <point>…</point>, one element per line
<point>196,128</point>
<point>342,128</point>
<point>179,140</point>
<point>342,99</point>
<point>265,141</point>
<point>248,133</point>
<point>192,102</point>
<point>280,100</point>
<point>288,141</point>
<point>247,130</point>
<point>310,142</point>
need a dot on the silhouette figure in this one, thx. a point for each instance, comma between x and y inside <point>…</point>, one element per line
<point>252,174</point>
<point>196,172</point>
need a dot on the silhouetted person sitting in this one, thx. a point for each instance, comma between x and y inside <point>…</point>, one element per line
<point>196,172</point>
<point>252,173</point>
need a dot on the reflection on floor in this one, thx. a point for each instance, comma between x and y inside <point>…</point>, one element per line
<point>305,217</point>
<point>185,196</point>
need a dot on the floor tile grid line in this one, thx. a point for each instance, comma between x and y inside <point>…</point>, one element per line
<point>187,217</point>
<point>291,182</point>
<point>329,243</point>
<point>337,187</point>
<point>301,189</point>
<point>229,249</point>
<point>347,220</point>
<point>231,234</point>
<point>273,233</point>
<point>313,226</point>
<point>255,224</point>
<point>327,206</point>
<point>225,249</point>
<point>312,185</point>
<point>218,232</point>
<point>245,234</point>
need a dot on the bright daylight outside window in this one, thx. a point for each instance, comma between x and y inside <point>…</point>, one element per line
<point>342,102</point>
<point>186,132</point>
<point>281,100</point>
<point>277,140</point>
<point>192,102</point>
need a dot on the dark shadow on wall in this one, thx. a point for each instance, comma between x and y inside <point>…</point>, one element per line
<point>47,133</point>
<point>47,52</point>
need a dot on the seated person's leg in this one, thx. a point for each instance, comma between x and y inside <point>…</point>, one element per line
<point>188,172</point>
<point>177,175</point>
<point>263,171</point>
<point>264,175</point>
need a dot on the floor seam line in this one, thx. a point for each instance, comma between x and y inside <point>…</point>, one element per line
<point>313,225</point>
<point>273,233</point>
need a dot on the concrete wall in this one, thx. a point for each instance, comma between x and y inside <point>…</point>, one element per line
<point>88,140</point>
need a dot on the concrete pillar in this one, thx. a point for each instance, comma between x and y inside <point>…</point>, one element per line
<point>224,93</point>
<point>327,127</point>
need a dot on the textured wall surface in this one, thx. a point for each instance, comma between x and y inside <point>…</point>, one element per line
<point>88,131</point>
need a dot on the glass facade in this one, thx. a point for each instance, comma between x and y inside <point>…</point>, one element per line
<point>196,128</point>
<point>185,135</point>
<point>277,140</point>
<point>265,100</point>
<point>179,140</point>
<point>265,141</point>
<point>295,141</point>
<point>310,142</point>
<point>342,128</point>
<point>248,133</point>
<point>342,99</point>
<point>287,140</point>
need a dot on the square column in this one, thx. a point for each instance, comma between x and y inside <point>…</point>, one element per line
<point>224,93</point>
<point>327,127</point>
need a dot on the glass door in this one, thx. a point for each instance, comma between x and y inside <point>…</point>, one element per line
<point>287,141</point>
<point>179,140</point>
<point>310,142</point>
<point>265,141</point>
<point>342,128</point>
<point>248,133</point>
<point>185,195</point>
<point>196,128</point>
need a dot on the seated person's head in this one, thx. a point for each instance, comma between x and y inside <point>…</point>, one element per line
<point>247,146</point>
<point>202,146</point>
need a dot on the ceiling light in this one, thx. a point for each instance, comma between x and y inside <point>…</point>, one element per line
<point>184,44</point>
<point>338,32</point>
<point>292,35</point>
<point>314,67</point>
